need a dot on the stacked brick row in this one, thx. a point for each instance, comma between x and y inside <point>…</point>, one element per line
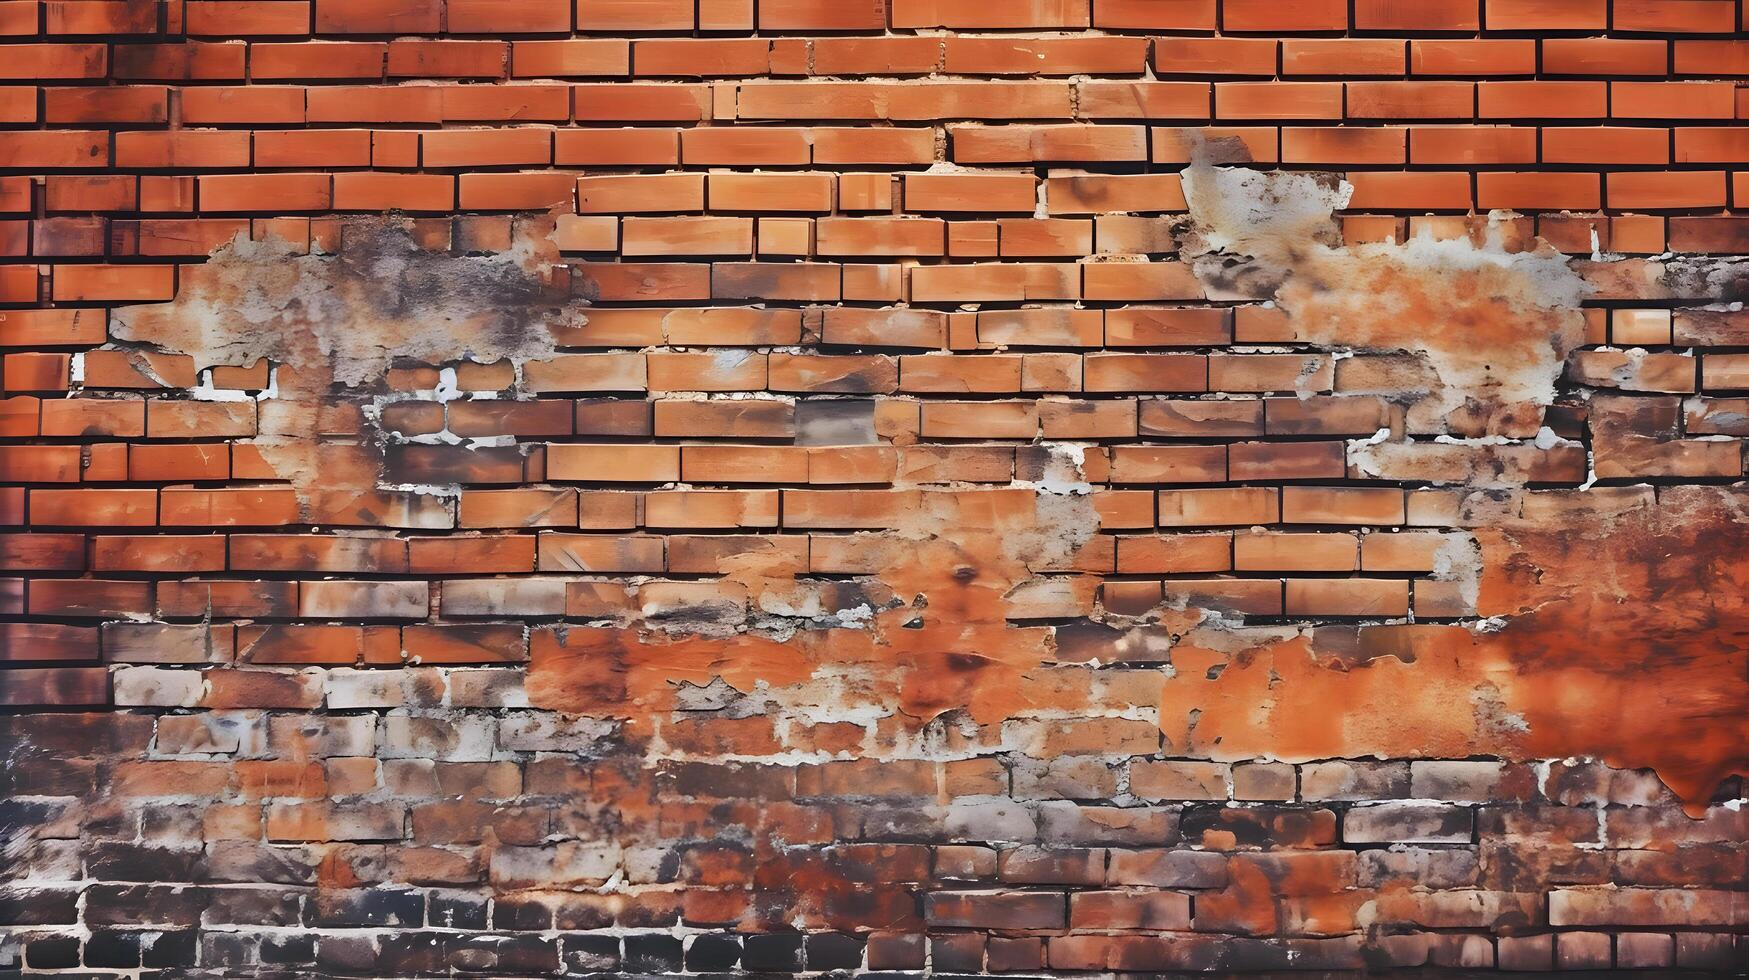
<point>363,655</point>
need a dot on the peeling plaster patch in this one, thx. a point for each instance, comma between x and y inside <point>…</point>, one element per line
<point>1482,464</point>
<point>1549,577</point>
<point>1065,470</point>
<point>382,297</point>
<point>1459,559</point>
<point>1269,218</point>
<point>1721,279</point>
<point>1495,325</point>
<point>1714,280</point>
<point>332,325</point>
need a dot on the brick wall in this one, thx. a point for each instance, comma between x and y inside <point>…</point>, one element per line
<point>514,487</point>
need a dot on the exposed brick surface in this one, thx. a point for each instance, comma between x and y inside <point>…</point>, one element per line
<point>535,487</point>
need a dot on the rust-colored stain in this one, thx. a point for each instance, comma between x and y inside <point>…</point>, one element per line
<point>931,631</point>
<point>1617,632</point>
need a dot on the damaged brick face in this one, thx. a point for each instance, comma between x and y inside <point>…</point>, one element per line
<point>634,487</point>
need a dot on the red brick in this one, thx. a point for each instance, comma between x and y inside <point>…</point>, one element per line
<point>1554,15</point>
<point>317,59</point>
<point>377,16</point>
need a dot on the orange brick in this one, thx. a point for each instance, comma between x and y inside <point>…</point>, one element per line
<point>537,191</point>
<point>1284,15</point>
<point>1168,464</point>
<point>181,62</point>
<point>1472,144</point>
<point>1171,15</point>
<point>1372,145</point>
<point>1214,56</point>
<point>1371,598</point>
<point>1539,191</point>
<point>1469,56</point>
<point>1714,58</point>
<point>1554,15</point>
<point>1651,191</point>
<point>184,149</point>
<point>1666,16</point>
<point>121,104</point>
<point>90,192</point>
<point>317,60</point>
<point>1532,100</point>
<point>1108,193</point>
<point>114,283</point>
<point>273,193</point>
<point>249,18</point>
<point>889,147</point>
<point>507,16</point>
<point>635,15</point>
<point>101,508</point>
<point>179,464</point>
<point>523,102</point>
<point>687,236</point>
<point>616,147</point>
<point>378,16</point>
<point>253,104</point>
<point>1278,100</point>
<point>695,58</point>
<point>1702,144</point>
<point>948,193</point>
<point>1217,507</point>
<point>399,192</point>
<point>313,148</point>
<point>1344,56</point>
<point>1605,145</point>
<point>1423,15</point>
<point>1410,191</point>
<point>1296,552</point>
<point>374,104</point>
<point>799,193</point>
<point>1672,100</point>
<point>229,507</point>
<point>420,58</point>
<point>758,146</point>
<point>1411,100</point>
<point>1143,100</point>
<point>570,58</point>
<point>613,464</point>
<point>1605,56</point>
<point>640,194</point>
<point>640,103</point>
<point>971,14</point>
<point>1040,56</point>
<point>843,56</point>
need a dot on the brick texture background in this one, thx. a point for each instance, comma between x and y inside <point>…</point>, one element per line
<point>523,487</point>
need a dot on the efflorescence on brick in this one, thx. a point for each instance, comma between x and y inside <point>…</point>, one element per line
<point>632,487</point>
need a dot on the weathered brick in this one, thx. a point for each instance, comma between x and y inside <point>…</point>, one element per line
<point>997,910</point>
<point>741,491</point>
